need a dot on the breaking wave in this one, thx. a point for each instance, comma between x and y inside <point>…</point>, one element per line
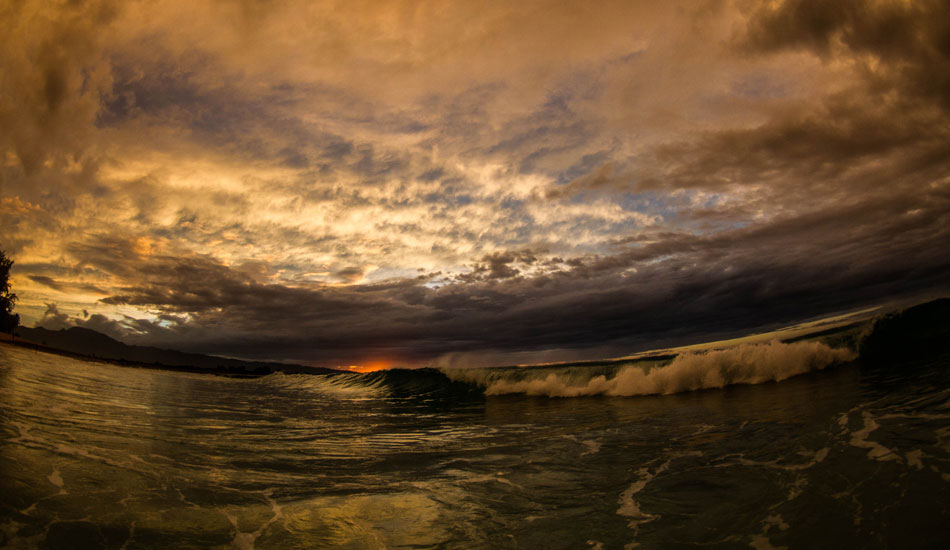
<point>744,364</point>
<point>893,339</point>
<point>427,383</point>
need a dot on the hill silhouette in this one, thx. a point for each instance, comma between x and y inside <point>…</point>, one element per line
<point>95,345</point>
<point>913,333</point>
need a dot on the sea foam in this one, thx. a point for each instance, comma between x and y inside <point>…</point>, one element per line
<point>743,364</point>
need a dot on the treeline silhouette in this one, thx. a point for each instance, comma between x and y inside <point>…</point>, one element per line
<point>8,320</point>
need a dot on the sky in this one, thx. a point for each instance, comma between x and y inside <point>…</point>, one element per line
<point>469,183</point>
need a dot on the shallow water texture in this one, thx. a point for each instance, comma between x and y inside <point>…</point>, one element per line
<point>100,456</point>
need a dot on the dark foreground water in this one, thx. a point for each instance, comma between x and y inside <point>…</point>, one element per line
<point>99,456</point>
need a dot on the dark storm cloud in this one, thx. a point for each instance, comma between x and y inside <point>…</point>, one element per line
<point>66,287</point>
<point>499,265</point>
<point>910,39</point>
<point>53,319</point>
<point>894,108</point>
<point>682,284</point>
<point>51,85</point>
<point>48,281</point>
<point>813,151</point>
<point>165,90</point>
<point>101,323</point>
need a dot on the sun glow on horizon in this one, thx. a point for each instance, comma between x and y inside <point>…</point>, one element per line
<point>370,366</point>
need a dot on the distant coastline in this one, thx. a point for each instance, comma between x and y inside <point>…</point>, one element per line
<point>117,353</point>
<point>223,371</point>
<point>113,352</point>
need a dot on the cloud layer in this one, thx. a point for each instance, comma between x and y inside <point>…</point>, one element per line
<point>440,182</point>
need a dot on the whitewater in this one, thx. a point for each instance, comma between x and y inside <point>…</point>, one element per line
<point>743,364</point>
<point>841,441</point>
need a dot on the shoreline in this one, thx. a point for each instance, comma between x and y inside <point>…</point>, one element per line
<point>229,372</point>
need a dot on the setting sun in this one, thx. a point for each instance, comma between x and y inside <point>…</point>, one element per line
<point>371,366</point>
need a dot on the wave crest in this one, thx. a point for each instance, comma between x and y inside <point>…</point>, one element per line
<point>743,364</point>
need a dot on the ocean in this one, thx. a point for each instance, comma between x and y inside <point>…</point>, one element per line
<point>772,445</point>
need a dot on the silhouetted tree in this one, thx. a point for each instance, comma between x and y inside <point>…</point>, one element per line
<point>8,320</point>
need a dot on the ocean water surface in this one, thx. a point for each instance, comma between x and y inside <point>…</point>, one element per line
<point>769,446</point>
